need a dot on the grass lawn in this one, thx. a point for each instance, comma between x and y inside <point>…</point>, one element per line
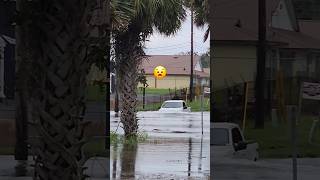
<point>6,150</point>
<point>116,138</point>
<point>196,105</point>
<point>149,107</point>
<point>275,142</point>
<point>95,148</point>
<point>156,91</point>
<point>96,93</point>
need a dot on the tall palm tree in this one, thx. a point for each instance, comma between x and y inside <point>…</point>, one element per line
<point>164,16</point>
<point>59,47</point>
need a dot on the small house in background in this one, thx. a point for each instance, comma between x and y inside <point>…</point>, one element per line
<point>292,44</point>
<point>292,53</point>
<point>178,71</point>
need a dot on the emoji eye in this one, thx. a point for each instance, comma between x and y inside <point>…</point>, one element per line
<point>161,71</point>
<point>158,71</point>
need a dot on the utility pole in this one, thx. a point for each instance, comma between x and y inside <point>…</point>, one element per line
<point>191,65</point>
<point>261,62</point>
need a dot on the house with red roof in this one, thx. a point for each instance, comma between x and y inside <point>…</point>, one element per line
<point>293,45</point>
<point>178,71</point>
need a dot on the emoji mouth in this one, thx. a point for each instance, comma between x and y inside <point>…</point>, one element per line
<point>159,74</point>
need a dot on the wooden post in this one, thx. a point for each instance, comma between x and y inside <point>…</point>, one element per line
<point>245,106</point>
<point>292,116</point>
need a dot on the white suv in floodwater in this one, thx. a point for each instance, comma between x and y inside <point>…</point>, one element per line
<point>174,106</point>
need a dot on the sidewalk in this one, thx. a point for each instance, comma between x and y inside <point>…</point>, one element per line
<point>97,168</point>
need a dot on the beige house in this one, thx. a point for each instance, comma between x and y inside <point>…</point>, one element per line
<point>178,71</point>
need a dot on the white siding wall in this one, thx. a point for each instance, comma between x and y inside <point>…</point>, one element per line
<point>233,64</point>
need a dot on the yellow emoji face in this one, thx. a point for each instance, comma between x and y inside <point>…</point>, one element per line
<point>159,72</point>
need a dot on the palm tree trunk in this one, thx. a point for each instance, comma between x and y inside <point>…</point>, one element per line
<point>129,53</point>
<point>128,96</point>
<point>128,161</point>
<point>60,42</point>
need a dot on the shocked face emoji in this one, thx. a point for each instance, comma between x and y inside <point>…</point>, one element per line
<point>159,72</point>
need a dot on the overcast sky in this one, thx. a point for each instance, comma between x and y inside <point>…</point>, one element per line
<point>180,42</point>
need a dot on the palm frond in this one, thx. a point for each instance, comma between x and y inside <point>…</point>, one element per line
<point>121,13</point>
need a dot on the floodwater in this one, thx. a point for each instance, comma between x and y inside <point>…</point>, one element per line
<point>175,149</point>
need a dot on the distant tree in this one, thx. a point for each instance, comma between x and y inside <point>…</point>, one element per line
<point>205,60</point>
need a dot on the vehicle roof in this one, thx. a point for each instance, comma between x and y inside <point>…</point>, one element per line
<point>174,101</point>
<point>224,125</point>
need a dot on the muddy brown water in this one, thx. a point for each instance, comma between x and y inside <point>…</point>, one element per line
<point>175,149</point>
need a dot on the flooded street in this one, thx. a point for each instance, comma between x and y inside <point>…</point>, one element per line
<point>175,148</point>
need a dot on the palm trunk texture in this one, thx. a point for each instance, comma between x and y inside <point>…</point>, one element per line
<point>60,40</point>
<point>129,54</point>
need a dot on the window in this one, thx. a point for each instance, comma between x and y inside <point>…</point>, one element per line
<point>219,136</point>
<point>236,135</point>
<point>184,105</point>
<point>172,105</point>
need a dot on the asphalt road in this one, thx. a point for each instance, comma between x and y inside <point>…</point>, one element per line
<point>267,169</point>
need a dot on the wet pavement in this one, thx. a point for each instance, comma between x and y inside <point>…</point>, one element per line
<point>175,149</point>
<point>266,169</point>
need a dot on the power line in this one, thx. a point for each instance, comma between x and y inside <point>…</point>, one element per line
<point>165,47</point>
<point>169,48</point>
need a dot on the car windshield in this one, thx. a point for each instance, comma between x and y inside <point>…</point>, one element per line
<point>220,136</point>
<point>172,105</point>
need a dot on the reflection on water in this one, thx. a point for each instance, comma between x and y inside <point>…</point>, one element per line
<point>128,161</point>
<point>175,158</point>
<point>114,161</point>
<point>166,154</point>
<point>189,157</point>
